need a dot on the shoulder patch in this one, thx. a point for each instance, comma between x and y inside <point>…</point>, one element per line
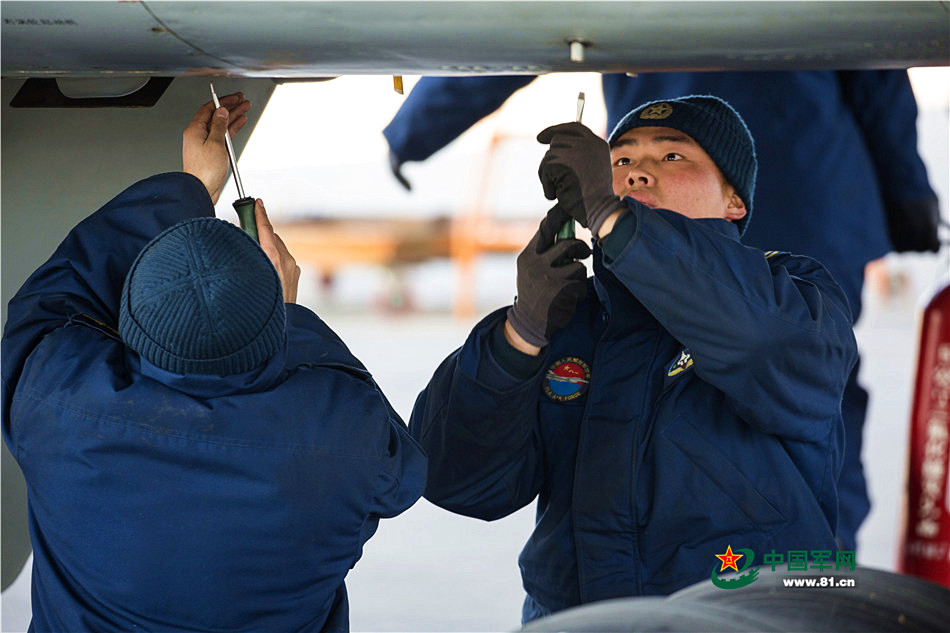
<point>566,379</point>
<point>681,364</point>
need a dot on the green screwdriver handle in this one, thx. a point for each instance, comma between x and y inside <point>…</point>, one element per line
<point>245,211</point>
<point>566,232</point>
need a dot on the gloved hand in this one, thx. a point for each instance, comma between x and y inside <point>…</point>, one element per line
<point>396,166</point>
<point>576,171</point>
<point>913,225</point>
<point>550,281</point>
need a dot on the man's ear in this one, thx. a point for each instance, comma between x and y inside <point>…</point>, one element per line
<point>735,209</point>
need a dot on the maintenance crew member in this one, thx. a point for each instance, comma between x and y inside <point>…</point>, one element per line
<point>200,452</point>
<point>839,179</point>
<point>684,399</point>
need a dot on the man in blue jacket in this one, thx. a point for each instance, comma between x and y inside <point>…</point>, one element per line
<point>200,452</point>
<point>684,400</point>
<point>839,176</point>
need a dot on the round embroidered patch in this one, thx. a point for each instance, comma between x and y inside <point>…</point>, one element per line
<point>567,379</point>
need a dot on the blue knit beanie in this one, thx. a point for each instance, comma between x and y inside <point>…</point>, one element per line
<point>718,129</point>
<point>203,298</point>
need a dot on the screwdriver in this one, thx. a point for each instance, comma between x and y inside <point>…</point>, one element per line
<point>567,231</point>
<point>244,205</point>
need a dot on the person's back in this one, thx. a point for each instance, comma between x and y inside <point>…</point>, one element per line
<point>198,454</point>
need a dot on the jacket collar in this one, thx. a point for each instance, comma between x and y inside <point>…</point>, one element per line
<point>212,386</point>
<point>615,296</point>
<point>309,343</point>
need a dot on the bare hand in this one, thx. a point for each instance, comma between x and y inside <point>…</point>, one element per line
<point>276,250</point>
<point>203,152</point>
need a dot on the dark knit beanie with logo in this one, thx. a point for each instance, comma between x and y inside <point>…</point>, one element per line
<point>718,129</point>
<point>203,298</point>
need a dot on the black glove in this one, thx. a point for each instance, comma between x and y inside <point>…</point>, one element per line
<point>550,281</point>
<point>576,171</point>
<point>396,166</point>
<point>913,225</point>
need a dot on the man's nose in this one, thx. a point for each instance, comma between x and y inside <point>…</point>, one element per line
<point>637,176</point>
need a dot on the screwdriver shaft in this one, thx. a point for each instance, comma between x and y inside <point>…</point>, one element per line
<point>567,231</point>
<point>227,142</point>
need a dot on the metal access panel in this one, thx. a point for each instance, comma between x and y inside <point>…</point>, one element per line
<point>312,39</point>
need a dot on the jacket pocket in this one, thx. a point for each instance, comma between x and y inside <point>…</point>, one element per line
<point>720,469</point>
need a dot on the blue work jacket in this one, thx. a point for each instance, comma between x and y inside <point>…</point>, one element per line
<point>692,403</point>
<point>167,502</point>
<point>835,149</point>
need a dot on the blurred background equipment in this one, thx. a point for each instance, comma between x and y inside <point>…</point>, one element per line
<point>925,539</point>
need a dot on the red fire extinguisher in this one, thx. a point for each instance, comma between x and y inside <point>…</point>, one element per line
<point>925,542</point>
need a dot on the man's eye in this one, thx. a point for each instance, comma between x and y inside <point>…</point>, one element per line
<point>673,156</point>
<point>622,161</point>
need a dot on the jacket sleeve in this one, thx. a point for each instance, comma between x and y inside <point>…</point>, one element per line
<point>85,274</point>
<point>400,476</point>
<point>883,106</point>
<point>439,109</point>
<point>478,425</point>
<point>401,472</point>
<point>772,331</point>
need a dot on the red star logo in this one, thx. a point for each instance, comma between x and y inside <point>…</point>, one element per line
<point>729,559</point>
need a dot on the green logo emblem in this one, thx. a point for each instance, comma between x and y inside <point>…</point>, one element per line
<point>729,560</point>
